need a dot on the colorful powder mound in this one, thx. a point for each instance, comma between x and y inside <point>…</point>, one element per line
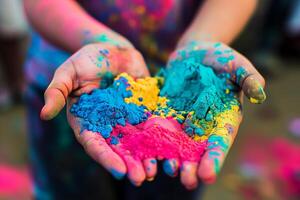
<point>168,116</point>
<point>157,138</point>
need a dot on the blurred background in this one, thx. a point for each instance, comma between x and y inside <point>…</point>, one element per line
<point>264,162</point>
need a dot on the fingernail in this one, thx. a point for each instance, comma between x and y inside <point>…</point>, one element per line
<point>118,175</point>
<point>137,184</point>
<point>153,161</point>
<point>254,91</point>
<point>150,179</point>
<point>191,187</point>
<point>169,169</point>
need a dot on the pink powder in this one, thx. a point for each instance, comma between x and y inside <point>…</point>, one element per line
<point>14,181</point>
<point>158,138</point>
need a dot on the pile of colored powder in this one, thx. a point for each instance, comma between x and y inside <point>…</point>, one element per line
<point>157,138</point>
<point>103,109</point>
<point>196,95</point>
<point>120,112</point>
<point>194,110</point>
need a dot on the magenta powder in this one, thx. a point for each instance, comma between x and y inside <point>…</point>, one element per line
<point>157,138</point>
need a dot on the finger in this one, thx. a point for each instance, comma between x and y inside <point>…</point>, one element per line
<point>135,169</point>
<point>249,79</point>
<point>57,92</point>
<point>150,166</point>
<point>251,82</point>
<point>240,69</point>
<point>170,167</point>
<point>213,158</point>
<point>96,146</point>
<point>188,175</point>
<point>136,173</point>
<point>210,165</point>
<point>218,144</point>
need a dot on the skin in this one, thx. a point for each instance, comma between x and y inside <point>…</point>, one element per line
<point>228,17</point>
<point>216,21</point>
<point>80,74</point>
<point>211,162</point>
<point>68,29</point>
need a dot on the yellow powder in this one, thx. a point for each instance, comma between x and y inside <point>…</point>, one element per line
<point>145,91</point>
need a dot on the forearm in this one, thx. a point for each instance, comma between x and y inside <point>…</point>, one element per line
<point>65,24</point>
<point>219,20</point>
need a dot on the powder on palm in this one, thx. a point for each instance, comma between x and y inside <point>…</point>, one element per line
<point>196,94</point>
<point>174,122</point>
<point>103,109</point>
<point>157,138</point>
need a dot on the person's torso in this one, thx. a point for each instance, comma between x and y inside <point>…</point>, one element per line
<point>153,26</point>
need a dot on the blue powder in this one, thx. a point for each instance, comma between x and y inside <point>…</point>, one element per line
<point>168,168</point>
<point>153,161</point>
<point>114,140</point>
<point>107,79</point>
<point>118,175</point>
<point>214,153</point>
<point>218,44</point>
<point>103,109</point>
<point>120,135</point>
<point>217,141</point>
<point>240,74</point>
<point>225,60</point>
<point>199,131</point>
<point>218,52</point>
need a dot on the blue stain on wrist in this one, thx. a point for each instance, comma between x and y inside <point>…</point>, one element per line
<point>118,175</point>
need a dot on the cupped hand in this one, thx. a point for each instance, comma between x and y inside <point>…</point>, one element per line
<point>82,73</point>
<point>243,75</point>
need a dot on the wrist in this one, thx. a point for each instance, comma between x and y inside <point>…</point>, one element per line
<point>189,38</point>
<point>105,37</point>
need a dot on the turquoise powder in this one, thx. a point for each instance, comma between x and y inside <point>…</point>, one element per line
<point>191,86</point>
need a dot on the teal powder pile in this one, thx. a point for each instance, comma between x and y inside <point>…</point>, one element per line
<point>196,92</point>
<point>103,109</point>
<point>191,86</point>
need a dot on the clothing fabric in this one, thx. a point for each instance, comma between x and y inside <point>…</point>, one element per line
<point>154,28</point>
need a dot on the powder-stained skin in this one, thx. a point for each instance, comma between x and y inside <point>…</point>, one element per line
<point>103,109</point>
<point>173,115</point>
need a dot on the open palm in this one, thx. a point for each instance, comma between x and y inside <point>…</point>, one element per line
<point>82,73</point>
<point>243,78</point>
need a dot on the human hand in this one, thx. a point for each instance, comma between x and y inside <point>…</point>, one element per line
<point>82,73</point>
<point>242,77</point>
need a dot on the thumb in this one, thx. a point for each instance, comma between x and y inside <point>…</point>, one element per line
<point>58,90</point>
<point>242,72</point>
<point>251,82</point>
